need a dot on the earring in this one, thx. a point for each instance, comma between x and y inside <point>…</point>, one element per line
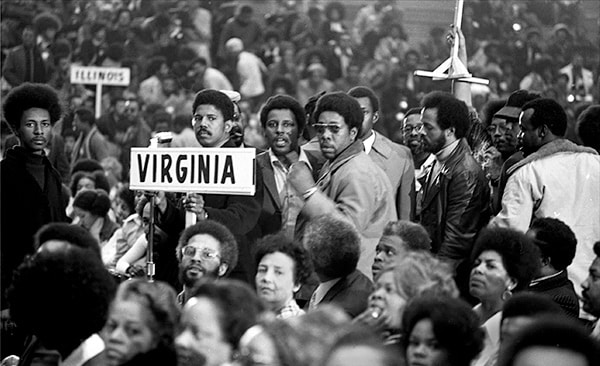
<point>507,294</point>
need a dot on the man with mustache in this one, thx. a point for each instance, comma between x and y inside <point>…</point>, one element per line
<point>455,201</point>
<point>283,121</point>
<point>591,291</point>
<point>350,184</point>
<point>206,251</point>
<point>31,194</point>
<point>212,122</point>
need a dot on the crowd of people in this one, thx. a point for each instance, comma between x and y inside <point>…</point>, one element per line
<point>396,219</point>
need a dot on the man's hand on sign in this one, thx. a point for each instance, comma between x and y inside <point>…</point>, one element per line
<point>300,177</point>
<point>194,202</point>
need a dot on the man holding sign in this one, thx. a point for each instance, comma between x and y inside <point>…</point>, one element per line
<point>212,122</point>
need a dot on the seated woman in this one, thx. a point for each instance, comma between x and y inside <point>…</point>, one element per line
<point>86,180</point>
<point>504,261</point>
<point>282,267</point>
<point>214,320</point>
<point>91,208</point>
<point>141,324</point>
<point>416,274</point>
<point>440,331</point>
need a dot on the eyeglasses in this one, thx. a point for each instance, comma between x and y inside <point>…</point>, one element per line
<point>205,254</point>
<point>502,127</point>
<point>410,128</point>
<point>321,127</point>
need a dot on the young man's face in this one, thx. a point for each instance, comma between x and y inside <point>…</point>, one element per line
<point>34,130</point>
<point>529,137</point>
<point>434,138</point>
<point>370,116</point>
<point>411,133</point>
<point>281,131</point>
<point>334,134</point>
<point>210,126</point>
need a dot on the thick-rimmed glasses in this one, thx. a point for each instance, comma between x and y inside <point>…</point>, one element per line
<point>205,253</point>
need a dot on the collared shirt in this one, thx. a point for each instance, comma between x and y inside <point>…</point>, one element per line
<point>491,341</point>
<point>320,292</point>
<point>291,200</point>
<point>368,142</point>
<point>87,350</point>
<point>291,309</point>
<point>538,280</point>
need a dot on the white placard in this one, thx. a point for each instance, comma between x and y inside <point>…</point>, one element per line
<point>100,75</point>
<point>202,170</point>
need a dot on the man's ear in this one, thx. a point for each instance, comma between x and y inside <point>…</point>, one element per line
<point>375,117</point>
<point>542,131</point>
<point>354,133</point>
<point>223,267</point>
<point>296,287</point>
<point>450,131</point>
<point>228,126</point>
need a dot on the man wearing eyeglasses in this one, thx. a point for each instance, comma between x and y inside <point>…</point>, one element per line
<point>212,122</point>
<point>206,251</point>
<point>350,184</point>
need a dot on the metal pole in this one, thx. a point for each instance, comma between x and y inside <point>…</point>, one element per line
<point>150,250</point>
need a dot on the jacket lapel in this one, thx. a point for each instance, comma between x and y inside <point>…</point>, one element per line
<point>269,177</point>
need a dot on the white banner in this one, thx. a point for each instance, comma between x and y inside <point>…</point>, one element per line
<point>202,170</point>
<point>100,75</point>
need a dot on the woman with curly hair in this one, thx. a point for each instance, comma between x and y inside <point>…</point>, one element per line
<point>504,262</point>
<point>416,274</point>
<point>440,331</point>
<point>141,324</point>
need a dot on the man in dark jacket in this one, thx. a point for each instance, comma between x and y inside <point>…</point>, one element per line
<point>31,194</point>
<point>212,121</point>
<point>24,63</point>
<point>455,199</point>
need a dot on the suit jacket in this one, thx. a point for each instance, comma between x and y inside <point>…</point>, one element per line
<point>270,215</point>
<point>396,161</point>
<point>455,206</point>
<point>351,293</point>
<point>562,292</point>
<point>15,67</point>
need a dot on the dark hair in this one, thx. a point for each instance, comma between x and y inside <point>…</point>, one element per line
<point>181,120</point>
<point>128,197</point>
<point>154,65</point>
<point>161,301</point>
<point>86,116</point>
<point>284,102</point>
<point>245,9</point>
<point>217,99</point>
<point>597,248</point>
<point>451,112</point>
<point>364,92</point>
<point>335,5</point>
<point>455,326</point>
<point>311,104</point>
<point>344,105</point>
<point>115,51</point>
<point>530,304</point>
<point>279,242</point>
<point>100,181</point>
<point>519,255</point>
<point>556,240</point>
<point>333,245</point>
<point>76,289</point>
<point>46,20</point>
<point>238,306</point>
<point>227,242</point>
<point>413,111</point>
<point>285,83</point>
<point>415,235</point>
<point>27,96</point>
<point>549,113</point>
<point>489,109</point>
<point>72,234</point>
<point>95,201</point>
<point>558,334</point>
<point>588,127</point>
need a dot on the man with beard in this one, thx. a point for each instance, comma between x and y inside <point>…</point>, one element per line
<point>206,251</point>
<point>591,291</point>
<point>455,198</point>
<point>212,122</point>
<point>557,178</point>
<point>504,153</point>
<point>411,133</point>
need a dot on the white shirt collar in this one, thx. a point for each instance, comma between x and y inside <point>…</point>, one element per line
<point>87,350</point>
<point>369,141</point>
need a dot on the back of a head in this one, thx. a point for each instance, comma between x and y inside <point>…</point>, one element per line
<point>451,112</point>
<point>86,165</point>
<point>72,234</point>
<point>333,245</point>
<point>95,201</point>
<point>355,340</point>
<point>556,240</point>
<point>548,112</point>
<point>565,340</point>
<point>588,127</point>
<point>76,289</point>
<point>414,235</point>
<point>529,304</point>
<point>85,115</point>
